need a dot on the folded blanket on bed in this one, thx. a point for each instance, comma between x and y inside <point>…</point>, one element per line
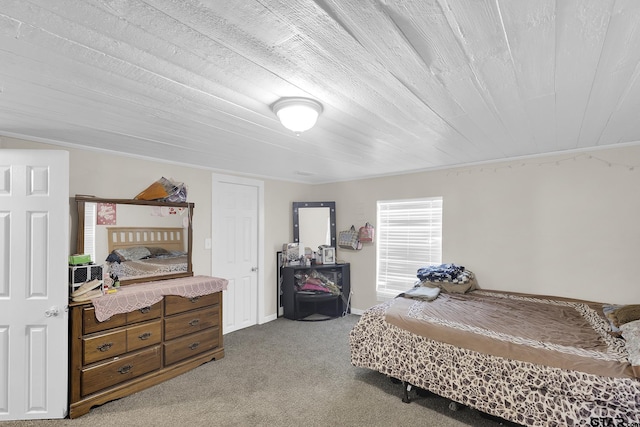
<point>422,293</point>
<point>439,273</point>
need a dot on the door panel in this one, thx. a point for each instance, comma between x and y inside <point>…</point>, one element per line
<point>34,227</point>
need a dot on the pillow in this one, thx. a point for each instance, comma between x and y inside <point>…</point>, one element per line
<point>626,314</point>
<point>155,250</point>
<point>452,288</point>
<point>631,335</point>
<point>133,254</point>
<point>608,311</point>
<point>114,257</point>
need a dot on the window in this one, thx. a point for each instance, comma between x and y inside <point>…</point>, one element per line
<point>409,236</point>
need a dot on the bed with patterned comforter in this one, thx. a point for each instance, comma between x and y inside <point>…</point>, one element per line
<point>534,360</point>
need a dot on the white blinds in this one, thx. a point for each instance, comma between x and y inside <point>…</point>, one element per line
<point>409,236</point>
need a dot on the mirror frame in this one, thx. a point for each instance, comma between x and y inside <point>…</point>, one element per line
<point>332,218</point>
<point>80,204</point>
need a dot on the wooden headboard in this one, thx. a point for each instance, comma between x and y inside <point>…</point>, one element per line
<point>170,238</point>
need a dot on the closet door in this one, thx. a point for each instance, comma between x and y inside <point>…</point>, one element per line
<point>236,254</point>
<point>34,236</point>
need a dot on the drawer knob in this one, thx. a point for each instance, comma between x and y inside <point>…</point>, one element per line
<point>145,310</point>
<point>194,299</point>
<point>105,347</point>
<point>194,345</point>
<point>194,322</point>
<point>125,369</point>
<point>145,336</point>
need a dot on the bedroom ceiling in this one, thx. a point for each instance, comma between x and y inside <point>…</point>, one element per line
<point>405,84</point>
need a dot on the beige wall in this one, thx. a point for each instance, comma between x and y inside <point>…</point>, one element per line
<point>111,176</point>
<point>561,225</point>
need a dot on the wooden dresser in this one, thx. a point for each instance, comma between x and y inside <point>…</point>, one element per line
<point>136,350</point>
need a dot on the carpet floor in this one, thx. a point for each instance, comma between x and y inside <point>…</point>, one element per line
<point>282,373</point>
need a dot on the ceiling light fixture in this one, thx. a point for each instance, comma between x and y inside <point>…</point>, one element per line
<point>297,114</point>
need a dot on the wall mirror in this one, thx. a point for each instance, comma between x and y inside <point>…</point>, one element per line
<point>137,240</point>
<point>314,224</point>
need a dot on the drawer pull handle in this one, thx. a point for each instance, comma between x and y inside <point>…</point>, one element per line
<point>194,345</point>
<point>145,336</point>
<point>105,347</point>
<point>194,299</point>
<point>145,310</point>
<point>194,322</point>
<point>125,369</point>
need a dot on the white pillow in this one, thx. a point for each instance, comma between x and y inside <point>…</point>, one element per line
<point>631,335</point>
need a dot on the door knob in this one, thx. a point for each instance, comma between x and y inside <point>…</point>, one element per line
<point>254,268</point>
<point>52,312</point>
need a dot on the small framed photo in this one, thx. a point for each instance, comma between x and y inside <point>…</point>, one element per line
<point>329,255</point>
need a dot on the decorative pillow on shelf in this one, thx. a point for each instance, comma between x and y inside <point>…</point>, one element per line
<point>631,335</point>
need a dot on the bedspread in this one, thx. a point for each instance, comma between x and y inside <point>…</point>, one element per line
<point>558,332</point>
<point>149,267</point>
<point>498,361</point>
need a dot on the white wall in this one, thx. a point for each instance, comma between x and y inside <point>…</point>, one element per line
<point>113,176</point>
<point>559,225</point>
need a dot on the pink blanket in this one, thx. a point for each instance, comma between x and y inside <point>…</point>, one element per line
<point>134,297</point>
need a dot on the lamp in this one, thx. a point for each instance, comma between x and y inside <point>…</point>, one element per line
<point>297,114</point>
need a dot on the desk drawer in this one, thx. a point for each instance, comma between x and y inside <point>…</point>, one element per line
<point>103,346</point>
<point>90,324</point>
<point>144,335</point>
<point>185,347</point>
<point>145,313</point>
<point>122,369</point>
<point>175,304</point>
<point>190,322</point>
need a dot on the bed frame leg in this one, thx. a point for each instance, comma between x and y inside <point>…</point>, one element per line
<point>406,387</point>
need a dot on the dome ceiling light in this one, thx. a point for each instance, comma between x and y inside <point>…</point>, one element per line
<point>297,114</point>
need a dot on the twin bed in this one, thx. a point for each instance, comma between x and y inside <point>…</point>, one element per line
<point>533,360</point>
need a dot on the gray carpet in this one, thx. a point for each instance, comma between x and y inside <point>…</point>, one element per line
<point>283,373</point>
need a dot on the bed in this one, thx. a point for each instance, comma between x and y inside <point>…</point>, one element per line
<point>146,252</point>
<point>530,359</point>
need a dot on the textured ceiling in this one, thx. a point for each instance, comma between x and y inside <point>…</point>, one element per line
<point>405,84</point>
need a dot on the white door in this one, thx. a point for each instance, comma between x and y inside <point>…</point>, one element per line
<point>235,250</point>
<point>34,231</point>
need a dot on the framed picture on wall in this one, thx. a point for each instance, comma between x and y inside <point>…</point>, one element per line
<point>329,255</point>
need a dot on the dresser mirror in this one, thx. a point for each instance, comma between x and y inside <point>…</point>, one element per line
<point>314,224</point>
<point>136,240</point>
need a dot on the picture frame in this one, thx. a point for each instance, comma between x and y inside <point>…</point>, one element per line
<point>329,255</point>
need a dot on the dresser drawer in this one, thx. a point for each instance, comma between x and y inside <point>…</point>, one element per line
<point>190,322</point>
<point>175,304</point>
<point>185,347</point>
<point>145,313</point>
<point>90,324</point>
<point>103,346</point>
<point>122,369</point>
<point>144,335</point>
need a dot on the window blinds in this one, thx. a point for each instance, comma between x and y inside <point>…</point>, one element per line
<point>409,236</point>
